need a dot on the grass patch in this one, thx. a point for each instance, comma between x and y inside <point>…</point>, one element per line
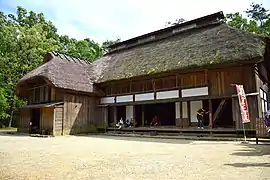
<point>8,128</point>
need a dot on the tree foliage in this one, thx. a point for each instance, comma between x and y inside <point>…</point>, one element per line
<point>258,22</point>
<point>106,44</point>
<point>24,38</point>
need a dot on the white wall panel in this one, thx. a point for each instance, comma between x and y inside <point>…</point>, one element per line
<point>129,112</point>
<point>128,98</point>
<point>202,91</point>
<point>168,94</point>
<point>177,110</point>
<point>194,107</point>
<point>107,100</point>
<point>184,110</point>
<point>144,97</point>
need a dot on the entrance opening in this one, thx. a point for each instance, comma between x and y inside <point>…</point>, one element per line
<point>222,110</point>
<point>138,115</point>
<point>121,112</point>
<point>110,116</point>
<point>206,107</point>
<point>35,121</point>
<point>164,111</point>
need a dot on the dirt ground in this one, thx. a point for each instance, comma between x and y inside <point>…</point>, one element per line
<point>104,157</point>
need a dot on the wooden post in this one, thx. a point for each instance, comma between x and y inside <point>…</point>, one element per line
<point>142,115</point>
<point>54,117</point>
<point>114,114</point>
<point>181,114</point>
<point>134,116</point>
<point>52,94</point>
<point>188,111</point>
<point>210,114</point>
<point>154,88</point>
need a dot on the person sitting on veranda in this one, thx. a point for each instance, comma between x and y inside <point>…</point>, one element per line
<point>200,117</point>
<point>120,123</point>
<point>155,121</point>
<point>129,122</point>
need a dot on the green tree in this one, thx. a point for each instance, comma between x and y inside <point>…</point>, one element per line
<point>106,44</point>
<point>24,38</point>
<point>3,101</point>
<point>259,21</point>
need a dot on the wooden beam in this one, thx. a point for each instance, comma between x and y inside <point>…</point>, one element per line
<point>38,86</point>
<point>249,94</point>
<point>52,94</point>
<point>176,81</point>
<point>210,113</point>
<point>205,77</point>
<point>219,110</point>
<point>154,88</point>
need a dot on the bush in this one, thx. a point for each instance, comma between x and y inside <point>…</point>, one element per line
<point>2,125</point>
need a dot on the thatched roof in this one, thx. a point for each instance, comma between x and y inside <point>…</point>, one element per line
<point>64,72</point>
<point>202,42</point>
<point>214,43</point>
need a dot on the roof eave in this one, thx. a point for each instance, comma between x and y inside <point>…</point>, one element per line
<point>250,61</point>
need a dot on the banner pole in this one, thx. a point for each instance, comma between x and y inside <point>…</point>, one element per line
<point>245,117</point>
<point>245,137</point>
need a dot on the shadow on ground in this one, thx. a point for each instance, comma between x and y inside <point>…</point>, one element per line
<point>253,150</point>
<point>243,165</point>
<point>13,133</point>
<point>140,139</point>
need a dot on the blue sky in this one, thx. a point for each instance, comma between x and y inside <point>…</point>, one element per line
<point>124,19</point>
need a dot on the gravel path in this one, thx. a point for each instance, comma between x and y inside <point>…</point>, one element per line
<point>103,157</point>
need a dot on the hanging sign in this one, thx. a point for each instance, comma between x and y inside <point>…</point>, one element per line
<point>243,103</point>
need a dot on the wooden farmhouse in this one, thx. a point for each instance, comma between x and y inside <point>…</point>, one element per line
<point>169,73</point>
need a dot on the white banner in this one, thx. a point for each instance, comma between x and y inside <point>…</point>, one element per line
<point>243,103</point>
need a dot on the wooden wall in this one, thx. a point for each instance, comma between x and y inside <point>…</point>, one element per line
<point>58,120</point>
<point>191,80</point>
<point>24,121</point>
<point>80,112</point>
<point>47,115</point>
<point>220,80</point>
<point>253,111</point>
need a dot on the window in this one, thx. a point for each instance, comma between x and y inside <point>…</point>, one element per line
<point>264,100</point>
<point>39,94</point>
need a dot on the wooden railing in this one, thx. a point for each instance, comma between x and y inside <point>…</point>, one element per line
<point>261,129</point>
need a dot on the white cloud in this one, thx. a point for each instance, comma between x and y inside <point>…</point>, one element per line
<point>106,19</point>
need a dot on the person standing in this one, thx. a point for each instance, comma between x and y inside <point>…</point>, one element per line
<point>200,117</point>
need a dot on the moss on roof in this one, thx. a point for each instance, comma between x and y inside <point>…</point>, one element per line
<point>214,44</point>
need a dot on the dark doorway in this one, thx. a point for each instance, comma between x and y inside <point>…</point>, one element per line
<point>164,111</point>
<point>206,117</point>
<point>35,121</point>
<point>224,119</point>
<point>138,115</point>
<point>110,116</point>
<point>121,112</point>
